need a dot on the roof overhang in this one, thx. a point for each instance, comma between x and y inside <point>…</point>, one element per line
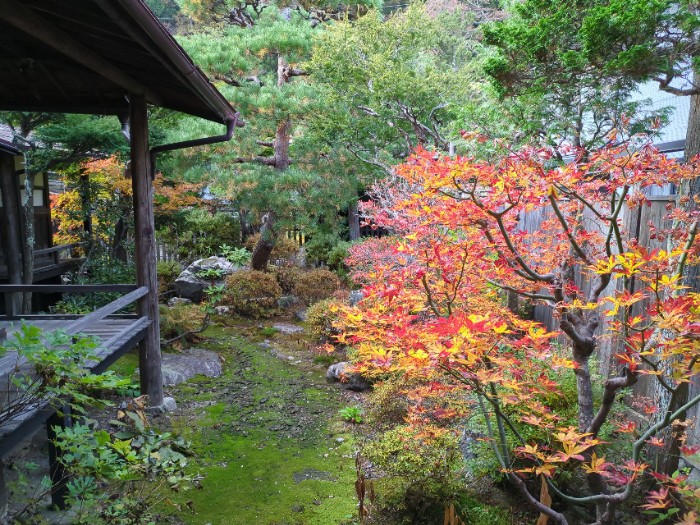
<point>88,56</point>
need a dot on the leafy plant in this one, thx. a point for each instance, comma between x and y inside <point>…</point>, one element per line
<point>210,274</point>
<point>320,317</point>
<point>237,256</point>
<point>351,414</point>
<point>182,322</point>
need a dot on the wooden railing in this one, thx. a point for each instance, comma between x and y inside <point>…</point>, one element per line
<point>9,290</point>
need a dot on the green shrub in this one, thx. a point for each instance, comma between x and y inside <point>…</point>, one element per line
<point>337,255</point>
<point>180,319</point>
<point>351,414</point>
<point>168,271</point>
<point>319,246</point>
<point>237,256</point>
<point>320,317</point>
<point>287,277</point>
<point>198,233</point>
<point>315,285</point>
<point>251,293</point>
<point>387,405</point>
<point>424,470</point>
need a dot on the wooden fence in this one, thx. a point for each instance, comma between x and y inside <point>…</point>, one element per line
<point>637,223</point>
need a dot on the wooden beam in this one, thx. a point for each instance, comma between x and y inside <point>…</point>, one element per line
<point>101,313</point>
<point>33,24</point>
<point>10,211</point>
<point>145,243</point>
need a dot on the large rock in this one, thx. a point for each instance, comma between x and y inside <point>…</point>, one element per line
<point>178,368</point>
<point>348,380</point>
<point>191,286</point>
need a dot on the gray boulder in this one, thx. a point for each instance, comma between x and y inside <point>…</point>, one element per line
<point>191,286</point>
<point>338,372</point>
<point>178,368</point>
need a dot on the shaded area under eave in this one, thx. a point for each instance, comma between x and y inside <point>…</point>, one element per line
<point>86,56</point>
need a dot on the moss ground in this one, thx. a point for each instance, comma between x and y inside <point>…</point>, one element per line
<point>268,442</point>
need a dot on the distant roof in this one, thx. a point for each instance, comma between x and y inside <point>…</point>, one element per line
<point>86,56</point>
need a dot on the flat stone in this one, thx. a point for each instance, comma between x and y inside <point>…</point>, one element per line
<point>313,474</point>
<point>178,368</point>
<point>288,329</point>
<point>348,380</point>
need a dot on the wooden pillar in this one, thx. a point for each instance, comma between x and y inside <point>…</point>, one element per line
<point>11,221</point>
<point>58,473</point>
<point>144,232</point>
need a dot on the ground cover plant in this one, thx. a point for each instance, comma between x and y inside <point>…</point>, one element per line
<point>437,310</point>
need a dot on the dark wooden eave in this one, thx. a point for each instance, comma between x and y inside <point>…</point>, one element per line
<point>86,56</point>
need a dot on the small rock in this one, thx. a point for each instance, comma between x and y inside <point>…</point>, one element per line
<point>339,440</point>
<point>355,297</point>
<point>297,508</point>
<point>175,301</point>
<point>301,314</point>
<point>287,301</point>
<point>287,329</point>
<point>348,381</point>
<point>266,344</point>
<point>222,310</point>
<point>169,404</point>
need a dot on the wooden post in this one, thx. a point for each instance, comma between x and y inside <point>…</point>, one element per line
<point>9,186</point>
<point>58,473</point>
<point>144,230</point>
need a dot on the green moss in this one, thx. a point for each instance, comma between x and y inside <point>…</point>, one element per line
<point>267,423</point>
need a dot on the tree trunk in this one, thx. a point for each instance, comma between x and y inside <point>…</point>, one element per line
<point>268,233</point>
<point>264,246</point>
<point>29,237</point>
<point>354,221</point>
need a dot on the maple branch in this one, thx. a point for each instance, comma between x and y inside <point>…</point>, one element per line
<point>547,278</point>
<point>626,379</point>
<point>579,251</point>
<point>686,248</point>
<point>534,296</point>
<point>429,295</point>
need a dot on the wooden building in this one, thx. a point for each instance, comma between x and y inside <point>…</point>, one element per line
<point>98,57</point>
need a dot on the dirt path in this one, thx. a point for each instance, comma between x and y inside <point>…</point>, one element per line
<point>267,436</point>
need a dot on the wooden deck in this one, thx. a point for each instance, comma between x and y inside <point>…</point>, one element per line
<point>115,334</point>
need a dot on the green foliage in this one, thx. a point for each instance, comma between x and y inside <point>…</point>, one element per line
<point>573,66</point>
<point>58,371</point>
<point>392,83</point>
<point>387,405</point>
<point>320,317</point>
<point>168,272</point>
<point>319,246</point>
<point>141,467</point>
<point>315,285</point>
<point>98,268</point>
<point>196,233</point>
<point>424,472</point>
<point>210,274</point>
<point>252,294</point>
<point>351,414</point>
<point>237,256</point>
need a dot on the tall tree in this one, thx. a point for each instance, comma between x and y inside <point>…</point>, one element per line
<point>257,49</point>
<point>545,57</point>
